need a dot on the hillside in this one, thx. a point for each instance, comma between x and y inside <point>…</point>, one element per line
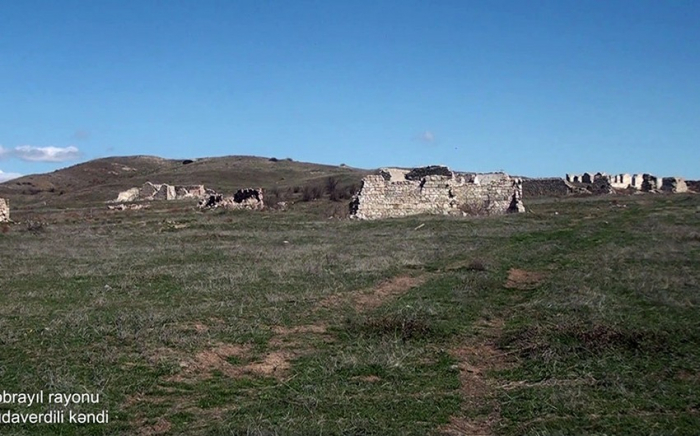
<point>101,180</point>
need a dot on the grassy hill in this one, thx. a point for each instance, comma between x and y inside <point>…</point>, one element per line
<point>101,180</point>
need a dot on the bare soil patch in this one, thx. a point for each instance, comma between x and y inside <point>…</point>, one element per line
<point>367,378</point>
<point>205,363</point>
<point>372,298</point>
<point>274,364</point>
<point>523,280</point>
<point>465,427</point>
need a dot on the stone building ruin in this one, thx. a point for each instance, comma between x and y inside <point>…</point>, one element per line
<point>190,191</point>
<point>638,182</point>
<point>208,199</point>
<point>151,191</point>
<point>621,181</point>
<point>693,185</point>
<point>396,192</point>
<point>4,210</point>
<point>250,198</point>
<point>674,185</point>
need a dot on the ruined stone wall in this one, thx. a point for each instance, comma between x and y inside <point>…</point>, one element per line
<point>250,198</point>
<point>148,191</point>
<point>621,181</point>
<point>675,185</point>
<point>191,191</point>
<point>128,195</point>
<point>549,187</point>
<point>151,191</point>
<point>637,180</point>
<point>165,192</point>
<point>436,194</point>
<point>693,185</point>
<point>601,183</point>
<point>651,183</point>
<point>586,177</point>
<point>4,210</point>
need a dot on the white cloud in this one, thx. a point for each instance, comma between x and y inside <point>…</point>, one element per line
<point>4,177</point>
<point>4,152</point>
<point>45,154</point>
<point>426,136</point>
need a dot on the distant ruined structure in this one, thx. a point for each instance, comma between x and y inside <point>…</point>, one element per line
<point>693,185</point>
<point>243,199</point>
<point>4,210</point>
<point>435,190</point>
<point>150,191</point>
<point>601,183</point>
<point>208,199</point>
<point>639,182</point>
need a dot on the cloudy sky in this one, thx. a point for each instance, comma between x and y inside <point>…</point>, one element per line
<point>536,88</point>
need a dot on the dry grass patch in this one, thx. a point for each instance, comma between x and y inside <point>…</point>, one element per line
<point>162,426</point>
<point>300,339</point>
<point>367,378</point>
<point>310,328</point>
<point>523,280</point>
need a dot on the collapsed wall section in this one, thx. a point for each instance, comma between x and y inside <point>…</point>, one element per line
<point>190,191</point>
<point>675,185</point>
<point>4,210</point>
<point>162,191</point>
<point>432,192</point>
<point>250,198</point>
<point>693,185</point>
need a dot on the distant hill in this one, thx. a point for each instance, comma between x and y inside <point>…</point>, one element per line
<point>101,180</point>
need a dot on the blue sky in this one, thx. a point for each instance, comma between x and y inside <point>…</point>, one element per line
<point>536,88</point>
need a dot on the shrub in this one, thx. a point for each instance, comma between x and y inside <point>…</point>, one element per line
<point>310,193</point>
<point>332,189</point>
<point>409,323</point>
<point>273,196</point>
<point>35,226</point>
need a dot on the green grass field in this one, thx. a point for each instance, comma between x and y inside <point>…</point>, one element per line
<point>579,317</point>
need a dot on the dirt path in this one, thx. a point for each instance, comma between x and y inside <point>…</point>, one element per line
<point>476,357</point>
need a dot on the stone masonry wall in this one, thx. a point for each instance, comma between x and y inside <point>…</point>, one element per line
<point>693,185</point>
<point>674,185</point>
<point>437,194</point>
<point>549,187</point>
<point>4,210</point>
<point>640,182</point>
